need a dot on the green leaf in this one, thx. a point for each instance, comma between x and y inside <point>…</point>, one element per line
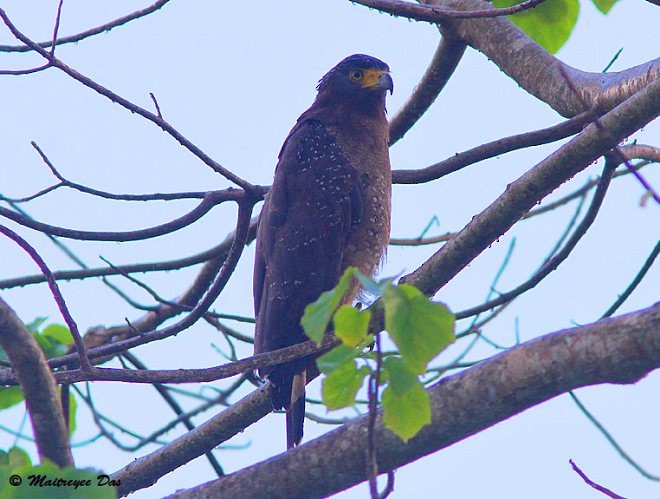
<point>18,457</point>
<point>420,328</point>
<point>34,326</point>
<point>10,396</point>
<point>398,375</point>
<point>351,325</point>
<point>341,385</point>
<point>406,413</point>
<point>550,24</point>
<point>73,407</point>
<point>58,333</point>
<point>337,356</point>
<point>54,340</point>
<point>317,315</point>
<point>604,5</point>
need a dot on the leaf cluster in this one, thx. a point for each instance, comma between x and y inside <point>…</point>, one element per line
<point>15,464</point>
<point>419,328</point>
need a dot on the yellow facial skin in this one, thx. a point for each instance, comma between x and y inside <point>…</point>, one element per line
<point>371,78</point>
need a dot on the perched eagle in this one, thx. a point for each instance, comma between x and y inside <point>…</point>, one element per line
<point>328,209</point>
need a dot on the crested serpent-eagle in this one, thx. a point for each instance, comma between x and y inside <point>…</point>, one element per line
<point>328,209</point>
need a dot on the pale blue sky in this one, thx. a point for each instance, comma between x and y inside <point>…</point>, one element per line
<point>233,77</point>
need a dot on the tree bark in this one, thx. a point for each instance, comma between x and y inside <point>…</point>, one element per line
<point>536,70</point>
<point>39,388</point>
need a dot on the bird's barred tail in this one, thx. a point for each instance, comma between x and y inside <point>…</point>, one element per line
<point>287,391</point>
<point>295,413</point>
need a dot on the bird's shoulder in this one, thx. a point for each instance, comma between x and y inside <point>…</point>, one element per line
<point>309,143</point>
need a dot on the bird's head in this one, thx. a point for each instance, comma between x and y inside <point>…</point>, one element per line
<point>361,79</point>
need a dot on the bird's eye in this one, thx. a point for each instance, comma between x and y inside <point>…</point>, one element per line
<point>356,75</point>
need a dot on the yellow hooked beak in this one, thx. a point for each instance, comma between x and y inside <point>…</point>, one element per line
<point>376,79</point>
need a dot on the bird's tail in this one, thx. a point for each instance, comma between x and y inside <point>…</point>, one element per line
<point>295,413</point>
<point>288,392</point>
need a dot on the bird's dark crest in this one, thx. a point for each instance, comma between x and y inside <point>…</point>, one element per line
<point>355,61</point>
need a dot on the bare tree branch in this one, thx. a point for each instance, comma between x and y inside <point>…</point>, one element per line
<point>532,67</point>
<point>620,350</point>
<point>211,199</point>
<point>83,360</point>
<point>624,455</point>
<point>104,28</point>
<point>436,14</point>
<point>217,254</point>
<point>635,282</point>
<point>154,118</point>
<point>200,375</point>
<point>492,149</point>
<point>552,263</point>
<point>593,484</point>
<point>521,195</point>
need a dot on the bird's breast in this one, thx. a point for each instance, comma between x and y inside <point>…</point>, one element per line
<point>369,155</point>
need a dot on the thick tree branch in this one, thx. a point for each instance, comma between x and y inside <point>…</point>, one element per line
<point>146,471</point>
<point>527,63</point>
<point>645,324</point>
<point>39,389</point>
<point>537,71</point>
<point>435,14</point>
<point>533,186</point>
<point>620,350</point>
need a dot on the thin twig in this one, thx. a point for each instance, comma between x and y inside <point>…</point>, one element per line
<point>104,28</point>
<point>153,98</point>
<point>558,258</point>
<point>215,252</point>
<point>56,28</point>
<point>611,440</point>
<point>593,484</point>
<point>126,104</point>
<point>638,278</point>
<point>83,359</point>
<point>492,149</point>
<point>374,386</point>
<point>210,200</point>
